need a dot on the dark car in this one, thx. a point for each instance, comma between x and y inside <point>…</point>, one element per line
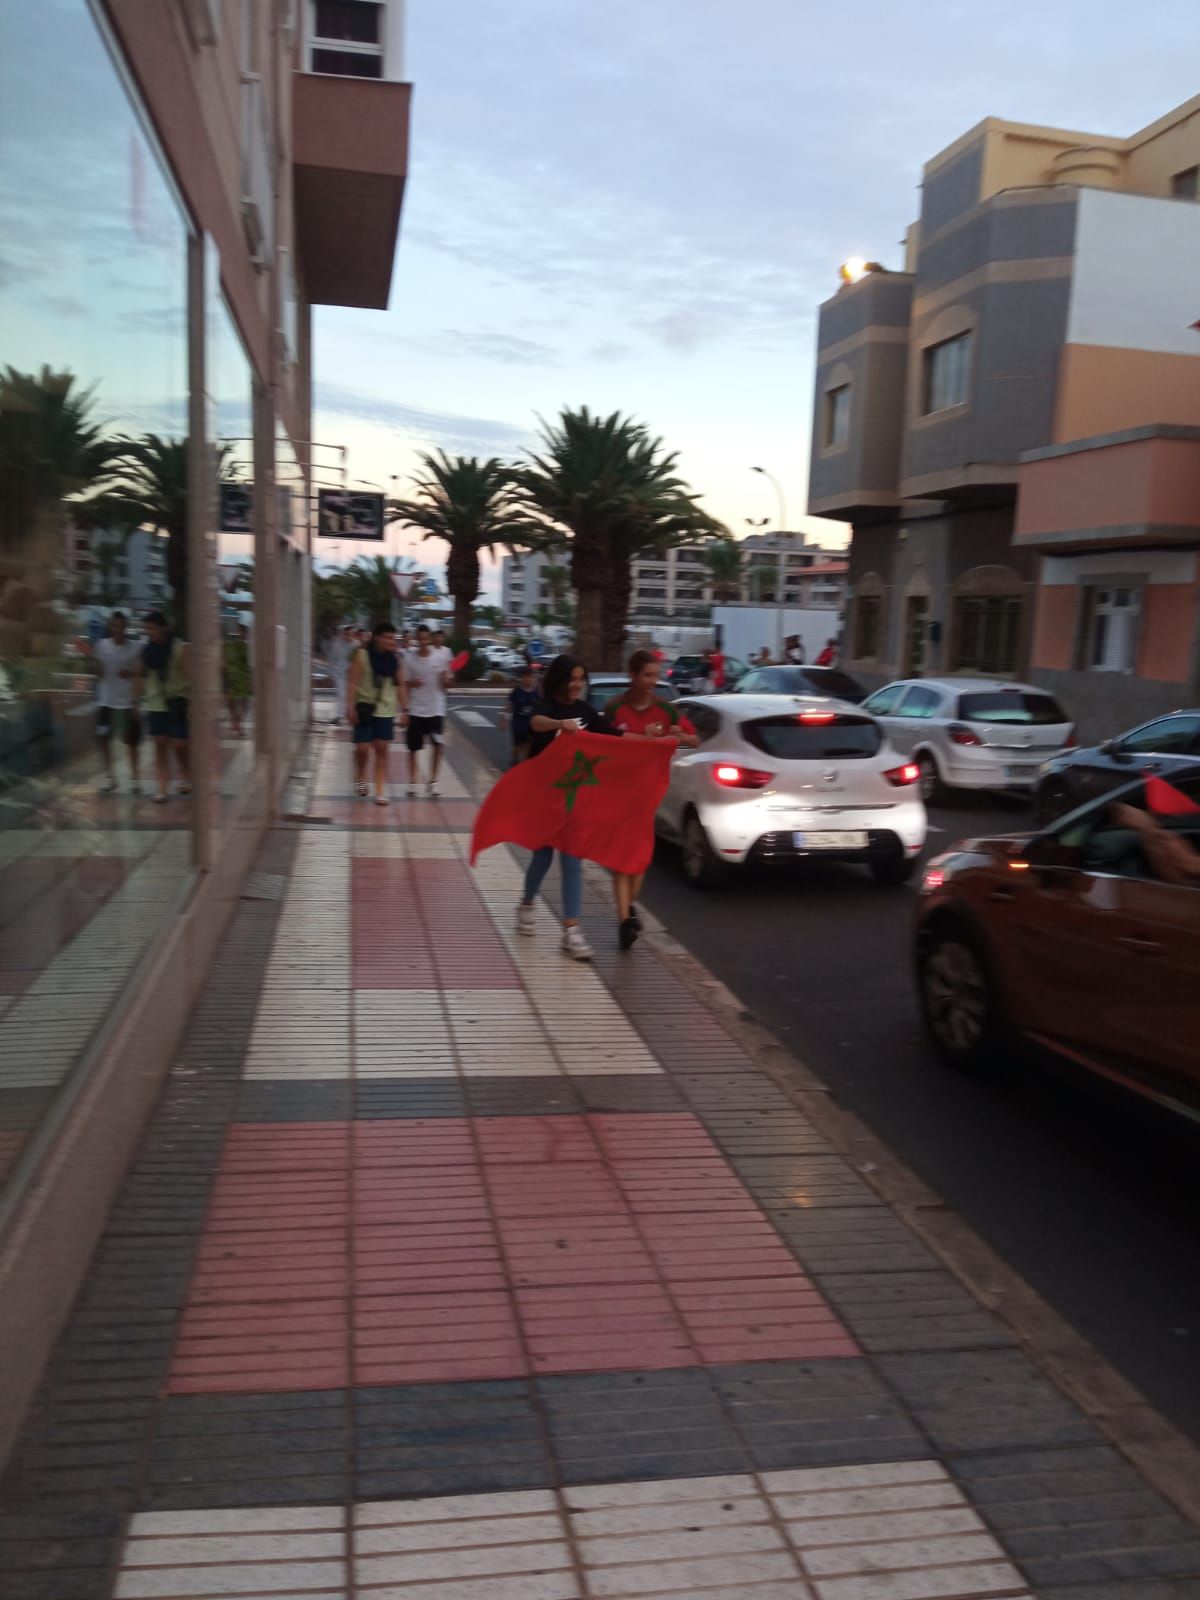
<point>686,672</point>
<point>1076,776</point>
<point>1069,939</point>
<point>832,681</point>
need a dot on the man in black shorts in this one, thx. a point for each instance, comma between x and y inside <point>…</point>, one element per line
<point>427,678</point>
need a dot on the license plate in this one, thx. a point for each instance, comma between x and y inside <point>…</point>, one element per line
<point>829,841</point>
<point>1022,772</point>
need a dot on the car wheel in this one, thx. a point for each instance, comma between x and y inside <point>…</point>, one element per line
<point>933,790</point>
<point>702,868</point>
<point>893,869</point>
<point>958,999</point>
<point>1052,800</point>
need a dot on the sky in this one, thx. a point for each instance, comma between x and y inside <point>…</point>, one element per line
<point>639,205</point>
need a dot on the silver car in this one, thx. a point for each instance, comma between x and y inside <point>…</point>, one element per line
<point>972,733</point>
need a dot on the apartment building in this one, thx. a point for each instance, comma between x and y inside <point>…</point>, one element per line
<point>184,181</point>
<point>103,568</point>
<point>1010,423</point>
<point>677,585</point>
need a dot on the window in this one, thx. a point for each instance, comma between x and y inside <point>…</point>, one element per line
<point>704,719</point>
<point>1173,736</point>
<point>347,38</point>
<point>791,738</point>
<point>986,632</point>
<point>1012,705</point>
<point>920,703</point>
<point>1185,185</point>
<point>868,620</point>
<point>837,416</point>
<point>884,703</point>
<point>1111,633</point>
<point>947,369</point>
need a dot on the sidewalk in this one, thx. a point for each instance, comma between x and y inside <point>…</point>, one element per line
<point>450,1270</point>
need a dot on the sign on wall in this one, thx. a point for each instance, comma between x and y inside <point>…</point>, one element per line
<point>237,507</point>
<point>343,514</point>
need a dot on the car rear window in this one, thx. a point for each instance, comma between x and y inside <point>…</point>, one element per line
<point>808,737</point>
<point>839,684</point>
<point>1011,705</point>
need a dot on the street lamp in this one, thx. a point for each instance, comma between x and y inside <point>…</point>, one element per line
<point>779,492</point>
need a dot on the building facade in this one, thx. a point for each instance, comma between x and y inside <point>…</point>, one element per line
<point>968,409</point>
<point>183,182</point>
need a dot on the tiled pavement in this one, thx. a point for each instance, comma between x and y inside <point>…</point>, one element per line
<point>450,1271</point>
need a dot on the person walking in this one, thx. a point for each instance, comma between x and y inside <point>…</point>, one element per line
<point>116,658</point>
<point>163,682</point>
<point>563,709</point>
<point>338,653</point>
<point>717,664</point>
<point>375,696</point>
<point>638,710</point>
<point>427,678</point>
<point>522,703</point>
<point>236,677</point>
<point>828,656</point>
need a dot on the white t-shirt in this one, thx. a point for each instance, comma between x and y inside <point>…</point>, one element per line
<point>426,697</point>
<point>114,691</point>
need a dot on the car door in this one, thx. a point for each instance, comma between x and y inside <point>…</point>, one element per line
<point>1142,750</point>
<point>909,723</point>
<point>685,765</point>
<point>883,705</point>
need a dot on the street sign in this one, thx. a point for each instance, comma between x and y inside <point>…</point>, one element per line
<point>346,514</point>
<point>237,508</point>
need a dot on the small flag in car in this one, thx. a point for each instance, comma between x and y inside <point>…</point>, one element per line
<point>1165,800</point>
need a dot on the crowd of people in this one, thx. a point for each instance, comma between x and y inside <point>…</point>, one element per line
<point>384,678</point>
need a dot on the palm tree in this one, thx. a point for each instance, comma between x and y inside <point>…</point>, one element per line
<point>558,582</point>
<point>723,558</point>
<point>49,449</point>
<point>764,580</point>
<point>368,588</point>
<point>472,506</point>
<point>613,493</point>
<point>146,485</point>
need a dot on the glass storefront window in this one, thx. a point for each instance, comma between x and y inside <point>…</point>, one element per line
<point>93,420</point>
<point>292,528</point>
<point>231,391</point>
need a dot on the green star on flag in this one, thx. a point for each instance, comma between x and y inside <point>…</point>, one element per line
<point>581,774</point>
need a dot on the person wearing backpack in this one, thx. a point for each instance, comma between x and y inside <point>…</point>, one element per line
<point>376,696</point>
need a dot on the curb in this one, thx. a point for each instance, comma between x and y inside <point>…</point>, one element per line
<point>1163,1456</point>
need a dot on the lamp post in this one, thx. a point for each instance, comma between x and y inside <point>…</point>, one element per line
<point>779,493</point>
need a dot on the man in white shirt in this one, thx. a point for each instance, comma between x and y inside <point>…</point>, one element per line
<point>428,679</point>
<point>116,661</point>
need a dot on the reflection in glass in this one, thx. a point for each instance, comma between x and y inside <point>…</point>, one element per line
<point>292,512</point>
<point>231,391</point>
<point>93,406</point>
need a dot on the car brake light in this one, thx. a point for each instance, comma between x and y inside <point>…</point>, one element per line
<point>962,734</point>
<point>814,718</point>
<point>934,879</point>
<point>901,777</point>
<point>741,777</point>
<point>1071,742</point>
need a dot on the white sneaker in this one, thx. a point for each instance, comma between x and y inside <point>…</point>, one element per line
<point>108,785</point>
<point>413,791</point>
<point>526,919</point>
<point>575,945</point>
<point>381,800</point>
<point>432,789</point>
<point>362,790</point>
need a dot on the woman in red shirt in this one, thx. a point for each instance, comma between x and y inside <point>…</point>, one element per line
<point>640,711</point>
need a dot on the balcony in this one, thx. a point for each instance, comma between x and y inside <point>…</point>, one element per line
<point>350,139</point>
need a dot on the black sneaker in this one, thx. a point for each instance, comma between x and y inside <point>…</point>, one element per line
<point>628,932</point>
<point>635,918</point>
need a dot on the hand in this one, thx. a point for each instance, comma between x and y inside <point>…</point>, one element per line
<point>570,725</point>
<point>1130,817</point>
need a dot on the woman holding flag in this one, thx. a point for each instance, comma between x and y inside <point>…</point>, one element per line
<point>564,708</point>
<point>639,711</point>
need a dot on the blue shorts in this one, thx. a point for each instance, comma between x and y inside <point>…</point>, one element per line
<point>381,730</point>
<point>167,724</point>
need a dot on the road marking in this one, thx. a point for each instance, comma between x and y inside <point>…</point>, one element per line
<point>474,719</point>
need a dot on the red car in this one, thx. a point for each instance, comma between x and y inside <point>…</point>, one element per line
<point>1071,939</point>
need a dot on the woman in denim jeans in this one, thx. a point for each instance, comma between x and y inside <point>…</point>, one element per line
<point>564,709</point>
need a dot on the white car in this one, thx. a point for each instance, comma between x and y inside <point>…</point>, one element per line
<point>972,733</point>
<point>783,777</point>
<point>502,658</point>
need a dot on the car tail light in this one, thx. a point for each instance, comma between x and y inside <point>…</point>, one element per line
<point>901,777</point>
<point>732,777</point>
<point>933,880</point>
<point>961,734</point>
<point>817,719</point>
<point>1071,742</point>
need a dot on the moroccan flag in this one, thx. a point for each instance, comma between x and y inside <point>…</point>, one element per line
<point>588,794</point>
<point>1165,800</point>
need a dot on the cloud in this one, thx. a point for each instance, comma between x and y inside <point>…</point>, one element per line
<point>506,349</point>
<point>610,350</point>
<point>468,435</point>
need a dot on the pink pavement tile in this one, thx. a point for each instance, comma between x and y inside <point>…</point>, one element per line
<point>436,1262</point>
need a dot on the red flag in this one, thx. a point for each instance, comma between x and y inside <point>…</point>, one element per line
<point>1165,800</point>
<point>460,661</point>
<point>587,794</point>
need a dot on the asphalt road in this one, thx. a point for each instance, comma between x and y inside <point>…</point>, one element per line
<point>1089,1195</point>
